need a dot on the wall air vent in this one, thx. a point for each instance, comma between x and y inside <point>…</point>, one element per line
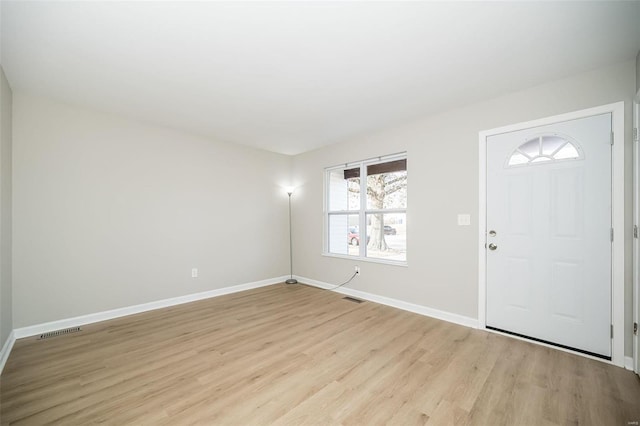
<point>353,299</point>
<point>59,332</point>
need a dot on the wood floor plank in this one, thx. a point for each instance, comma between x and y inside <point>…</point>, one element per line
<point>295,355</point>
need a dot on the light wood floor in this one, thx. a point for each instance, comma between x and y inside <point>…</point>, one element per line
<point>298,355</point>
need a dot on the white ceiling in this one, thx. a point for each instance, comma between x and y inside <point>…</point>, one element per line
<point>293,76</point>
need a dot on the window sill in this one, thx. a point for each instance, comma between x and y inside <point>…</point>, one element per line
<point>367,259</point>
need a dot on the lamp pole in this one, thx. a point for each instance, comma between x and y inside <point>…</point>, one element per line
<point>291,280</point>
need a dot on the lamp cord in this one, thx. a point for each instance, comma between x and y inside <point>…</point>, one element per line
<point>344,283</point>
<point>291,255</point>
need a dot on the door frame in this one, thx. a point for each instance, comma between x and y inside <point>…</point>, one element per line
<point>636,222</point>
<point>617,215</point>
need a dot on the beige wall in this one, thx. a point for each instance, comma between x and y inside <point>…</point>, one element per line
<point>443,157</point>
<point>6,322</point>
<point>111,213</point>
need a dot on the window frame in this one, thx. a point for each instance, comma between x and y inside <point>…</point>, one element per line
<point>362,212</point>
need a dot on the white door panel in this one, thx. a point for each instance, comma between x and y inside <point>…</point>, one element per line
<point>550,276</point>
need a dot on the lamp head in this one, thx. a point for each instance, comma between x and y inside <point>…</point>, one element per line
<point>289,190</point>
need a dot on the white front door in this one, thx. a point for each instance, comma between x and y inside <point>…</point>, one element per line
<point>549,234</point>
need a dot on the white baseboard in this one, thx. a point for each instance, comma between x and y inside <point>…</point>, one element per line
<point>395,303</point>
<point>628,363</point>
<point>136,309</point>
<point>6,349</point>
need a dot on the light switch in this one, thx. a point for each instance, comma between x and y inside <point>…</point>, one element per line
<point>464,219</point>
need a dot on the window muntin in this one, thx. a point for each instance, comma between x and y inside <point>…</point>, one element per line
<point>545,149</point>
<point>366,218</point>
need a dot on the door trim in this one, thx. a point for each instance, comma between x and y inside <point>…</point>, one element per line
<point>636,241</point>
<point>617,215</point>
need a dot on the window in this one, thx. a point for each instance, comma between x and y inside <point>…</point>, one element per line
<point>367,218</point>
<point>546,148</point>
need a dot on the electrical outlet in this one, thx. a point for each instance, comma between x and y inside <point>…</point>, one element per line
<point>357,270</point>
<point>194,272</point>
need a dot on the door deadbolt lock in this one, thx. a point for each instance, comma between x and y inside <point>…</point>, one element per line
<point>492,233</point>
<point>492,246</point>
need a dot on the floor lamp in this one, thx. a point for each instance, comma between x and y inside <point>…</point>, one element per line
<point>291,280</point>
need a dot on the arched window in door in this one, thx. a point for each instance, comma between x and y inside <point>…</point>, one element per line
<point>544,149</point>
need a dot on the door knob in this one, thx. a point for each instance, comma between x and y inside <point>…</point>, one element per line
<point>492,246</point>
